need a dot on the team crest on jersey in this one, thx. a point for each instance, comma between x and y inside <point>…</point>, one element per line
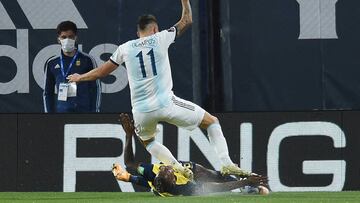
<point>57,66</point>
<point>78,63</point>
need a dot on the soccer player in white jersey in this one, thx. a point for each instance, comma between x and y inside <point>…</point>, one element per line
<point>152,99</point>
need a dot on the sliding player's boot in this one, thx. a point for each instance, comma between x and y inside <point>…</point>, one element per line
<point>234,170</point>
<point>120,173</point>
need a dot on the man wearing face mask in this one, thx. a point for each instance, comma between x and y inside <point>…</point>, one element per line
<point>71,97</point>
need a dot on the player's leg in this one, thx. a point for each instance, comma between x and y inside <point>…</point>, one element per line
<point>203,174</point>
<point>188,115</point>
<point>163,154</point>
<point>145,125</point>
<point>217,139</point>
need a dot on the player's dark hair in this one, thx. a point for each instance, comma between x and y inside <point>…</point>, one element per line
<point>66,26</point>
<point>145,20</point>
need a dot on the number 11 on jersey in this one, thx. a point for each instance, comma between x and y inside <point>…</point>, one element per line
<point>142,65</point>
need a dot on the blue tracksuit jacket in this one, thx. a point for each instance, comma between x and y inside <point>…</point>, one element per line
<point>88,93</point>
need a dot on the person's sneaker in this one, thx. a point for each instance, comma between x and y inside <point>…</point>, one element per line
<point>234,170</point>
<point>119,173</point>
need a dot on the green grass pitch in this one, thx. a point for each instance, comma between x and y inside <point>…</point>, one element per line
<point>107,197</point>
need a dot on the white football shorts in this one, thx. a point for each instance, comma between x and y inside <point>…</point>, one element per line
<point>180,112</point>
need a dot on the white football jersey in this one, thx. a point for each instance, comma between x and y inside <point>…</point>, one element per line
<point>148,68</point>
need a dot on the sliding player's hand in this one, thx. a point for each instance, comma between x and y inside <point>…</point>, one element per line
<point>256,180</point>
<point>265,180</point>
<point>127,123</point>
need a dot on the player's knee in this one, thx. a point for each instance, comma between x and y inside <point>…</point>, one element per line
<point>208,121</point>
<point>214,120</point>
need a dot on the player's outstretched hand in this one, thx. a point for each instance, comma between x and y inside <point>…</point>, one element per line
<point>127,123</point>
<point>73,78</point>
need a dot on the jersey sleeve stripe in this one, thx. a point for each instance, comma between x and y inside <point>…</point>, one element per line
<point>114,62</point>
<point>176,32</point>
<point>46,66</point>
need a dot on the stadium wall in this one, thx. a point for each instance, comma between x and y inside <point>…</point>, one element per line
<point>286,55</point>
<point>299,151</point>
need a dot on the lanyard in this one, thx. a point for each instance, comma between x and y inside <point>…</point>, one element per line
<point>70,65</point>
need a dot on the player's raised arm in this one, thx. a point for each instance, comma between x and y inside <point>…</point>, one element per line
<point>186,18</point>
<point>102,71</point>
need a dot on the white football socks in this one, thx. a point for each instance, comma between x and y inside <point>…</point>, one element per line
<point>163,154</point>
<point>218,140</point>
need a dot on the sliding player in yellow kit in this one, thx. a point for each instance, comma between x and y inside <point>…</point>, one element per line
<point>165,181</point>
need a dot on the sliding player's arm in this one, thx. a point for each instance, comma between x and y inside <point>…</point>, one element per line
<point>128,126</point>
<point>186,18</point>
<point>122,175</point>
<point>228,186</point>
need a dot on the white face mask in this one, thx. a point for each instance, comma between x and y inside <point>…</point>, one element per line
<point>67,45</point>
